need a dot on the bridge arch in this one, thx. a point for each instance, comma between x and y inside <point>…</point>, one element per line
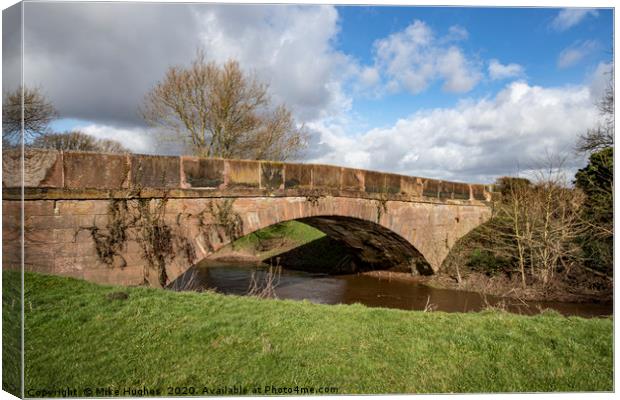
<point>413,236</point>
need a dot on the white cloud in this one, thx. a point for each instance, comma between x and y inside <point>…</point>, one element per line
<point>478,140</point>
<point>576,52</point>
<point>498,70</point>
<point>289,47</point>
<point>600,79</point>
<point>457,32</point>
<point>413,58</point>
<point>458,76</point>
<point>369,76</point>
<point>136,140</point>
<point>569,17</point>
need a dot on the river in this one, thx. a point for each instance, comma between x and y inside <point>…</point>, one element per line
<point>372,291</point>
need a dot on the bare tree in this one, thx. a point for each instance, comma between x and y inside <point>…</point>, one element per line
<point>76,140</point>
<point>219,112</point>
<point>110,146</point>
<point>38,112</point>
<point>537,226</point>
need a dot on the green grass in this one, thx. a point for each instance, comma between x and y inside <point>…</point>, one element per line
<point>77,337</point>
<point>11,333</point>
<point>294,233</point>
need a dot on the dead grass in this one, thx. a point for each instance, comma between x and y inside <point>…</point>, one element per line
<point>503,286</point>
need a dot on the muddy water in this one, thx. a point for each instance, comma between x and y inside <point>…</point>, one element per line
<point>369,290</point>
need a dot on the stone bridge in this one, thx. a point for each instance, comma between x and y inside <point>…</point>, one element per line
<point>73,202</point>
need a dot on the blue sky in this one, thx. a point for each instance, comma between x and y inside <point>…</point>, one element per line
<point>461,93</point>
<point>512,35</point>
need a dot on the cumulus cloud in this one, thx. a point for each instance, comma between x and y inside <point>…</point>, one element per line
<point>576,52</point>
<point>519,126</point>
<point>456,72</point>
<point>569,17</point>
<point>289,47</point>
<point>498,70</point>
<point>413,58</point>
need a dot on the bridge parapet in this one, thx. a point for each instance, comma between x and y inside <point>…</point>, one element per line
<point>68,174</point>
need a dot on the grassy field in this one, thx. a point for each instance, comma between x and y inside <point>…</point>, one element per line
<point>77,336</point>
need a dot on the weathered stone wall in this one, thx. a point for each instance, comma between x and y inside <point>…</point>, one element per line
<point>67,174</point>
<point>68,193</point>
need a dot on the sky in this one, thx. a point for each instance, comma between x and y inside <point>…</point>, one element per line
<point>459,93</point>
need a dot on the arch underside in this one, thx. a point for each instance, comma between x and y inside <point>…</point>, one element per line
<point>374,246</point>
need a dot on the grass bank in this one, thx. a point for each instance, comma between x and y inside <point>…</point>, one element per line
<point>77,335</point>
<point>293,245</point>
<point>272,240</point>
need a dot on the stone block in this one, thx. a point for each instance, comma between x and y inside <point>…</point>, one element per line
<point>243,174</point>
<point>155,171</point>
<point>11,207</point>
<point>65,265</point>
<point>202,172</point>
<point>297,176</point>
<point>272,175</point>
<point>70,236</point>
<point>392,183</point>
<point>460,191</point>
<point>11,252</point>
<point>75,249</point>
<point>49,222</point>
<point>431,188</point>
<point>325,177</point>
<point>42,168</point>
<point>352,179</point>
<point>39,256</point>
<point>10,232</point>
<point>410,185</point>
<point>478,192</point>
<point>75,207</point>
<point>445,190</point>
<point>95,170</point>
<point>374,182</point>
<point>40,236</point>
<point>39,207</point>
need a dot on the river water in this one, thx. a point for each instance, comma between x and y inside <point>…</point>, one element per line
<point>372,291</point>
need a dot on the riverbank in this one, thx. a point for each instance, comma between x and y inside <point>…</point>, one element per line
<point>79,334</point>
<point>503,286</point>
<point>499,286</point>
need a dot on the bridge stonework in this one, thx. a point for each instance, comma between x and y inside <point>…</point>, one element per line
<point>387,219</point>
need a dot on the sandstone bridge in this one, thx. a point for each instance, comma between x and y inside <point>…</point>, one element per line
<point>74,205</point>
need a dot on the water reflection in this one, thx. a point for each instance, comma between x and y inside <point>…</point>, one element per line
<point>369,290</point>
